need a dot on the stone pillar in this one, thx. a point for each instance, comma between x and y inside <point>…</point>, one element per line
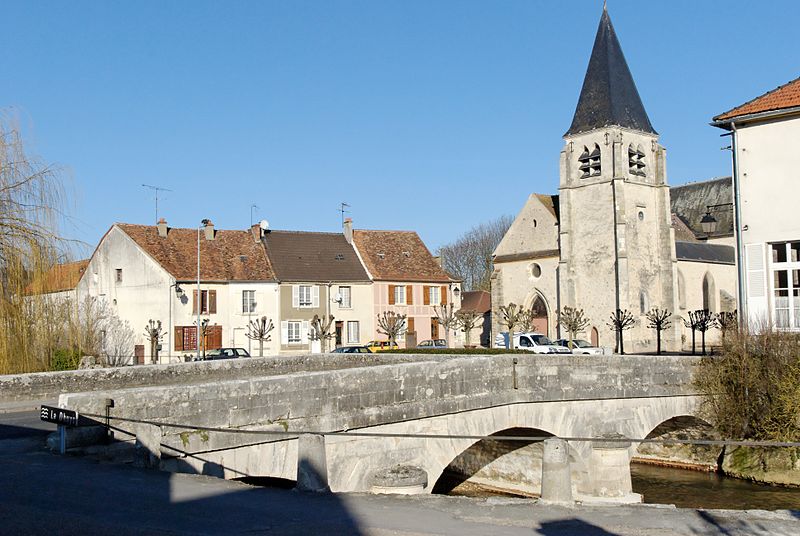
<point>610,470</point>
<point>556,480</point>
<point>312,465</point>
<point>148,445</point>
<point>400,479</point>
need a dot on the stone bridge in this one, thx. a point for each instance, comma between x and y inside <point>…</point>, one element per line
<point>477,395</point>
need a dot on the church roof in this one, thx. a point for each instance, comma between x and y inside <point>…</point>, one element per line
<point>702,252</point>
<point>609,96</point>
<point>781,98</point>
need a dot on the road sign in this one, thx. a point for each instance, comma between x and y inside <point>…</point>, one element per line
<point>62,416</point>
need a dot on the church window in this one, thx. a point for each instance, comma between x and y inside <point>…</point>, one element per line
<point>536,270</point>
<point>644,303</point>
<point>641,215</point>
<point>589,162</point>
<point>636,164</point>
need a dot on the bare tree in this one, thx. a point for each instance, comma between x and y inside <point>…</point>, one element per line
<point>510,317</point>
<point>154,334</point>
<point>728,321</point>
<point>260,330</point>
<point>469,258</point>
<point>392,325</point>
<point>620,321</point>
<point>202,337</point>
<point>446,315</point>
<point>466,320</point>
<point>321,330</point>
<point>573,320</point>
<point>704,320</point>
<point>659,320</point>
<point>526,320</point>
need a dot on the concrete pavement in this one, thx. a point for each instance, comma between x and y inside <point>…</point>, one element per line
<point>45,493</point>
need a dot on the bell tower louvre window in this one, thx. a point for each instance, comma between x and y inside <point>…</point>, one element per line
<point>590,162</point>
<point>636,163</point>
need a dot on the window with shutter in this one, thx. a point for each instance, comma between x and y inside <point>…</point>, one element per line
<point>178,339</point>
<point>194,302</point>
<point>391,294</point>
<point>433,296</point>
<point>426,295</point>
<point>296,296</point>
<point>443,300</point>
<point>284,332</point>
<point>434,328</point>
<point>400,295</point>
<point>353,336</point>
<point>306,296</point>
<point>212,301</point>
<point>410,322</point>
<point>304,330</point>
<point>410,294</point>
<point>345,298</point>
<point>315,296</point>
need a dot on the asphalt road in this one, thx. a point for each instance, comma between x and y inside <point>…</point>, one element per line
<point>43,493</point>
<point>18,424</point>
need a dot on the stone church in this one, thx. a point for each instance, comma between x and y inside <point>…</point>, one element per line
<point>617,236</point>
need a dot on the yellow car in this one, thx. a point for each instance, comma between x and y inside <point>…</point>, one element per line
<point>380,346</point>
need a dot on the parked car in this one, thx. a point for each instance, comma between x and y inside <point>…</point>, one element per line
<point>579,346</point>
<point>380,346</point>
<point>433,343</point>
<point>352,350</point>
<point>530,342</point>
<point>223,353</point>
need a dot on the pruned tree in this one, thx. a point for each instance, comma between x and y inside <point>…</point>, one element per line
<point>705,320</point>
<point>260,330</point>
<point>446,316</point>
<point>466,320</point>
<point>620,321</point>
<point>659,320</point>
<point>510,316</point>
<point>392,325</point>
<point>691,322</point>
<point>728,321</point>
<point>526,320</point>
<point>573,320</point>
<point>469,257</point>
<point>321,330</point>
<point>154,334</point>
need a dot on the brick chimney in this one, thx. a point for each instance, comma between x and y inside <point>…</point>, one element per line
<point>347,230</point>
<point>208,228</point>
<point>162,228</point>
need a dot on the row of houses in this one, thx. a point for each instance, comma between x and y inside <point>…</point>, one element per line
<point>229,278</point>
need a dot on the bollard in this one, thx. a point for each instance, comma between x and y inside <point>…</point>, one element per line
<point>148,445</point>
<point>610,467</point>
<point>556,479</point>
<point>312,465</point>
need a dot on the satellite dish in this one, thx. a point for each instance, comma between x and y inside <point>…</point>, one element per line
<point>264,224</point>
<point>338,298</point>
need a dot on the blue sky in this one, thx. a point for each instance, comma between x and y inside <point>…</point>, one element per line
<point>424,115</point>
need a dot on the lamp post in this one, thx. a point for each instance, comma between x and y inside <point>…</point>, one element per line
<point>709,222</point>
<point>199,299</point>
<point>178,294</point>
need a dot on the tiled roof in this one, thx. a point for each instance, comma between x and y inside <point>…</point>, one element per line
<point>59,278</point>
<point>780,98</point>
<point>477,300</point>
<point>231,256</point>
<point>703,252</point>
<point>682,231</point>
<point>689,202</point>
<point>309,257</point>
<point>398,256</point>
<point>550,202</point>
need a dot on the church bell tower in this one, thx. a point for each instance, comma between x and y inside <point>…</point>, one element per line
<point>616,240</point>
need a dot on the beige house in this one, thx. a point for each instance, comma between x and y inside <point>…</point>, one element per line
<point>764,132</point>
<point>608,240</point>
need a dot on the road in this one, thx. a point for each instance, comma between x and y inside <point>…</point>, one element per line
<point>45,493</point>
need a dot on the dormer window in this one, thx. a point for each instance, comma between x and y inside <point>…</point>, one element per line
<point>636,163</point>
<point>590,162</point>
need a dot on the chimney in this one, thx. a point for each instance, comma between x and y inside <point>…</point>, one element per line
<point>208,228</point>
<point>347,230</point>
<point>162,228</point>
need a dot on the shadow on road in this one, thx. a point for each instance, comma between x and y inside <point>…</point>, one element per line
<point>572,527</point>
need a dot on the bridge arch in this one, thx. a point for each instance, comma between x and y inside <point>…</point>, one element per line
<point>682,427</point>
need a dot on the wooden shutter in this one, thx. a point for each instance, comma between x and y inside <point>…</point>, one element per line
<point>434,328</point>
<point>295,296</point>
<point>178,338</point>
<point>194,302</point>
<point>426,295</point>
<point>214,337</point>
<point>284,332</point>
<point>212,302</point>
<point>410,294</point>
<point>410,327</point>
<point>391,294</point>
<point>443,297</point>
<point>315,296</point>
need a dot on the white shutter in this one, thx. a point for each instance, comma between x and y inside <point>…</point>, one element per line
<point>757,303</point>
<point>295,296</point>
<point>304,332</point>
<point>315,296</point>
<point>284,332</point>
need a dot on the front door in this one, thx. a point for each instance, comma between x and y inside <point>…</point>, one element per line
<point>339,329</point>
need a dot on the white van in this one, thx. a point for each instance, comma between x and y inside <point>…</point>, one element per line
<point>531,342</point>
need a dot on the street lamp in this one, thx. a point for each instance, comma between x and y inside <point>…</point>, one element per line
<point>178,294</point>
<point>709,222</point>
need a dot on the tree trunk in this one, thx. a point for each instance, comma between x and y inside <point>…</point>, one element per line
<point>621,343</point>
<point>658,342</point>
<point>703,338</point>
<point>693,345</point>
<point>260,347</point>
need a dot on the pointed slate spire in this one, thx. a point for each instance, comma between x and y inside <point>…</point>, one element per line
<point>609,95</point>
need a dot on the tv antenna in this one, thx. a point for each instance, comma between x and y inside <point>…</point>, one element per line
<point>343,211</point>
<point>252,207</point>
<point>156,189</point>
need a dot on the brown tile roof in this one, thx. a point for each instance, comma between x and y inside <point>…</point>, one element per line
<point>780,98</point>
<point>306,256</point>
<point>476,300</point>
<point>231,256</point>
<point>398,256</point>
<point>59,278</point>
<point>682,231</point>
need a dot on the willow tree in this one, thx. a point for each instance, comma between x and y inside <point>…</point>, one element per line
<point>31,201</point>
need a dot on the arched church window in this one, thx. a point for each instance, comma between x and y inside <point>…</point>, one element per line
<point>709,292</point>
<point>589,162</point>
<point>644,303</point>
<point>681,290</point>
<point>636,164</point>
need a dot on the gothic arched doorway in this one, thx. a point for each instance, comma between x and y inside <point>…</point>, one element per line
<point>595,337</point>
<point>539,322</point>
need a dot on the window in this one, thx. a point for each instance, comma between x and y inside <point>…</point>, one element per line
<point>353,335</point>
<point>644,303</point>
<point>400,295</point>
<point>293,333</point>
<point>119,275</point>
<point>786,284</point>
<point>304,296</point>
<point>536,270</point>
<point>589,162</point>
<point>636,163</point>
<point>436,295</point>
<point>248,301</point>
<point>434,328</point>
<point>208,302</point>
<point>344,298</point>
